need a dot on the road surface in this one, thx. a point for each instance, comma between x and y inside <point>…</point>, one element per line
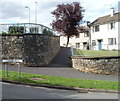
<point>16,91</point>
<point>63,72</point>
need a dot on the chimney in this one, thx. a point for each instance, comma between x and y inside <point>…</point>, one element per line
<point>86,23</point>
<point>112,11</point>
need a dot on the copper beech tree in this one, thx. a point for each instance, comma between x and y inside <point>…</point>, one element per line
<point>67,18</point>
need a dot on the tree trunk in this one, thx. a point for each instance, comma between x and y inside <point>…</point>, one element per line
<point>68,37</point>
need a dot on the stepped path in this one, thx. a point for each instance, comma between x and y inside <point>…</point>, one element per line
<point>62,59</point>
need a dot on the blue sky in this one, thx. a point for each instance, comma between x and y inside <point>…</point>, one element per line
<point>14,11</point>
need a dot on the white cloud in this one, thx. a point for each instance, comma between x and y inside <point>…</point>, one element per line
<point>15,11</point>
<point>97,8</point>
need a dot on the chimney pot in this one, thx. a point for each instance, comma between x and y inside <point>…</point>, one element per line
<point>112,11</point>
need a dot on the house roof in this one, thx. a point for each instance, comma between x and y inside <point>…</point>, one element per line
<point>83,29</point>
<point>106,19</point>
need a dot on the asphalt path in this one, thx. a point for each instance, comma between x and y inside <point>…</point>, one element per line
<point>63,72</point>
<point>15,91</point>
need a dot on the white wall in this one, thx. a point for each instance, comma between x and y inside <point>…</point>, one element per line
<point>104,34</point>
<point>74,40</point>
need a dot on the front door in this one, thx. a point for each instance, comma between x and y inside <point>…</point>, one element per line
<point>99,44</point>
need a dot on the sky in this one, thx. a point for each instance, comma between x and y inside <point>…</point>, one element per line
<point>14,11</point>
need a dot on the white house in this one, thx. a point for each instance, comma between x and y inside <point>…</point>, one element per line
<point>104,32</point>
<point>81,41</point>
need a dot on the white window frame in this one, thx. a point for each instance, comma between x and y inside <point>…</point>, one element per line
<point>112,41</point>
<point>77,45</point>
<point>93,42</point>
<point>97,29</point>
<point>86,34</point>
<point>111,26</point>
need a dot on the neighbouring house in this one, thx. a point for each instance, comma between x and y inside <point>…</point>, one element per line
<point>104,32</point>
<point>81,41</point>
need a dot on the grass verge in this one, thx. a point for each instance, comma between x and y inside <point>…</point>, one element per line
<point>95,53</point>
<point>60,81</point>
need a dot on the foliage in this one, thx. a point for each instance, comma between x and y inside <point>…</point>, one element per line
<point>4,32</point>
<point>47,32</point>
<point>16,29</point>
<point>61,81</point>
<point>67,18</point>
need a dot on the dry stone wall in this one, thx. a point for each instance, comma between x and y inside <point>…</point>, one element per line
<point>33,49</point>
<point>103,65</point>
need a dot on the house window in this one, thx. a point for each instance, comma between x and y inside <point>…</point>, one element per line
<point>86,34</point>
<point>93,43</point>
<point>78,36</point>
<point>77,45</point>
<point>112,41</point>
<point>112,25</point>
<point>97,28</point>
<point>34,30</point>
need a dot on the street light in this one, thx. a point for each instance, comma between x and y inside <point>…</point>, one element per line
<point>36,13</point>
<point>29,12</point>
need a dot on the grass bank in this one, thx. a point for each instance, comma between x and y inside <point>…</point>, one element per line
<point>95,53</point>
<point>60,81</point>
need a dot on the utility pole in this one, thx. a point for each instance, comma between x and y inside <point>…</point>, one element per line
<point>36,12</point>
<point>29,12</point>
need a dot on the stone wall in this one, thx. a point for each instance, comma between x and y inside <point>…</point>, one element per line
<point>33,49</point>
<point>103,65</point>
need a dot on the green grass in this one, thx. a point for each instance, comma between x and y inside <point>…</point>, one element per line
<point>95,53</point>
<point>61,81</point>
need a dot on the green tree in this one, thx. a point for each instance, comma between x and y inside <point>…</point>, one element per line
<point>16,30</point>
<point>4,32</point>
<point>45,31</point>
<point>50,33</point>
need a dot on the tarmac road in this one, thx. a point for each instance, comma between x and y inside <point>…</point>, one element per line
<point>63,72</point>
<point>15,91</point>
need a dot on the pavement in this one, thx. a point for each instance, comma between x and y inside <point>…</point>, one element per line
<point>63,72</point>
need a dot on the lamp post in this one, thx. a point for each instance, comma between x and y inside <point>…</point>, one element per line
<point>29,12</point>
<point>36,13</point>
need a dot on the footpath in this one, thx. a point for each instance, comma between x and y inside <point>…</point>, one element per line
<point>63,72</point>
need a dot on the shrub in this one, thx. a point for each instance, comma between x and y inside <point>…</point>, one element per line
<point>16,30</point>
<point>47,32</point>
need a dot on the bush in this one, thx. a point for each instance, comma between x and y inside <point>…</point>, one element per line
<point>16,30</point>
<point>4,32</point>
<point>47,32</point>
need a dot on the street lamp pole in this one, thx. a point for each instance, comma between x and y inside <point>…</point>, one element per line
<point>36,13</point>
<point>29,12</point>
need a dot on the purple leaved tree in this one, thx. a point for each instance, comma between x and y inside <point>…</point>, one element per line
<point>67,18</point>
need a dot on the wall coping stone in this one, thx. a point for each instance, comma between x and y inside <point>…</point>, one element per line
<point>109,57</point>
